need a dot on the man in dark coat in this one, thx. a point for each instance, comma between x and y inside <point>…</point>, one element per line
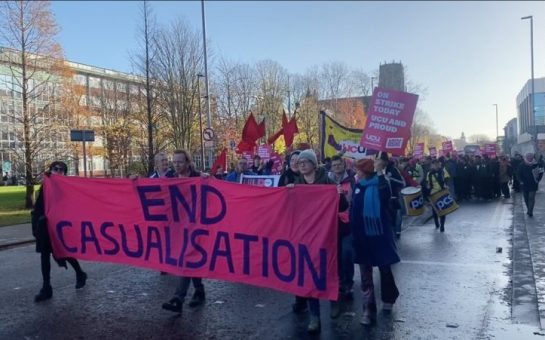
<point>530,173</point>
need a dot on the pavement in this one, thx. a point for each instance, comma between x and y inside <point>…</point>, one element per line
<point>484,278</point>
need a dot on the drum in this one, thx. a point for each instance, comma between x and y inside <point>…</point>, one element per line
<point>414,201</point>
<point>443,203</point>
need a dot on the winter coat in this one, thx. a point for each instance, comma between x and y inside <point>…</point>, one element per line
<point>347,183</point>
<point>235,176</point>
<point>373,250</point>
<point>288,177</point>
<point>526,176</point>
<point>505,173</point>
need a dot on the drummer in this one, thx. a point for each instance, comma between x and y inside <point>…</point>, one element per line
<point>403,167</point>
<point>435,182</point>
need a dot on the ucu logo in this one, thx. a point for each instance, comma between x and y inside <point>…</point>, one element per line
<point>372,138</point>
<point>444,202</point>
<point>417,203</point>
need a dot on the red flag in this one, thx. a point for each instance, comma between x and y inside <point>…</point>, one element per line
<point>290,129</point>
<point>221,161</point>
<point>251,133</point>
<point>280,132</point>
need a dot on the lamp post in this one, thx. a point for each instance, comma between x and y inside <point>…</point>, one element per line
<point>533,117</point>
<point>372,84</point>
<point>496,105</point>
<point>199,76</point>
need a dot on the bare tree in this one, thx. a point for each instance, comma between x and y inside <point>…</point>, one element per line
<point>177,63</point>
<point>29,28</point>
<point>271,91</point>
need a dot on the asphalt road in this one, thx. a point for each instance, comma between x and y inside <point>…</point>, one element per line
<point>454,285</point>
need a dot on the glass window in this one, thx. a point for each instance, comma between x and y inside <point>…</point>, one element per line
<point>80,79</point>
<point>121,87</point>
<point>108,85</point>
<point>94,82</point>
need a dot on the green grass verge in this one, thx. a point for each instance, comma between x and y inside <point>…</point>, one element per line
<point>12,205</point>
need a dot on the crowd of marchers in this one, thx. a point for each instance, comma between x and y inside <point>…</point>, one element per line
<point>370,212</point>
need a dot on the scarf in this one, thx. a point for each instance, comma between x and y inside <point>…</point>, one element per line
<point>371,207</point>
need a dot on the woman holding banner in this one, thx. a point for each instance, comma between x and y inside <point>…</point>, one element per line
<point>371,218</point>
<point>43,243</point>
<point>292,172</point>
<point>311,173</point>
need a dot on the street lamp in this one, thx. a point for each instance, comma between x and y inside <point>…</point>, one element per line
<point>372,84</point>
<point>199,76</point>
<point>533,118</point>
<point>496,105</point>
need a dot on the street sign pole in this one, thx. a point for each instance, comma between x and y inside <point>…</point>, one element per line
<point>84,157</point>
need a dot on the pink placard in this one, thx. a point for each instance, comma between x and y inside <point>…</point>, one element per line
<point>249,156</point>
<point>491,150</point>
<point>419,150</point>
<point>447,147</point>
<point>201,228</point>
<point>433,151</point>
<point>277,165</point>
<point>264,151</point>
<point>388,125</point>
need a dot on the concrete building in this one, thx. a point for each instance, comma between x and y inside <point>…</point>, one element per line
<point>510,131</point>
<point>107,95</point>
<point>528,121</point>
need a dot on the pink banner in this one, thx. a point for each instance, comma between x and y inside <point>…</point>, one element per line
<point>491,150</point>
<point>447,147</point>
<point>388,124</point>
<point>201,228</point>
<point>433,151</point>
<point>419,150</point>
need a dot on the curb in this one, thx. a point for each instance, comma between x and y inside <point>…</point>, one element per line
<point>16,244</point>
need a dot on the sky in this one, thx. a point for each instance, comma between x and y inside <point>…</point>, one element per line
<point>467,55</point>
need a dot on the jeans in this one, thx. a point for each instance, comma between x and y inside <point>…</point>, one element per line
<point>314,304</point>
<point>388,288</point>
<point>529,200</point>
<point>183,286</point>
<point>347,263</point>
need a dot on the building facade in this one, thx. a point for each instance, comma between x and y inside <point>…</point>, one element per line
<point>104,101</point>
<point>510,131</point>
<point>528,121</point>
<point>392,76</point>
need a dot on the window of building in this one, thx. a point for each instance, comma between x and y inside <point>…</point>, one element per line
<point>94,82</point>
<point>121,87</point>
<point>80,79</point>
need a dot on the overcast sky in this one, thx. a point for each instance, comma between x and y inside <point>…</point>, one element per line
<point>469,55</point>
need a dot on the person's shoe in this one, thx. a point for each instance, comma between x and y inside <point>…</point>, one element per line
<point>349,295</point>
<point>81,279</point>
<point>300,308</point>
<point>45,293</point>
<point>335,309</point>
<point>387,307</point>
<point>314,326</point>
<point>174,305</point>
<point>437,226</point>
<point>398,235</point>
<point>442,229</point>
<point>530,214</point>
<point>197,299</point>
<point>366,319</point>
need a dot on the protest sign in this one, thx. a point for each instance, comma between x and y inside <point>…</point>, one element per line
<point>490,150</point>
<point>269,181</point>
<point>201,228</point>
<point>264,151</point>
<point>433,151</point>
<point>249,156</point>
<point>338,139</point>
<point>447,147</point>
<point>388,126</point>
<point>277,163</point>
<point>419,150</point>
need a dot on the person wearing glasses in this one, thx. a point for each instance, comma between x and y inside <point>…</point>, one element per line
<point>311,173</point>
<point>43,243</point>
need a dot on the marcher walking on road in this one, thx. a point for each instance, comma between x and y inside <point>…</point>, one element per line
<point>43,242</point>
<point>530,173</point>
<point>436,180</point>
<point>184,167</point>
<point>311,173</point>
<point>374,243</point>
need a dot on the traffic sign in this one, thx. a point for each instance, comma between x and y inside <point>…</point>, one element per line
<point>208,134</point>
<point>208,143</point>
